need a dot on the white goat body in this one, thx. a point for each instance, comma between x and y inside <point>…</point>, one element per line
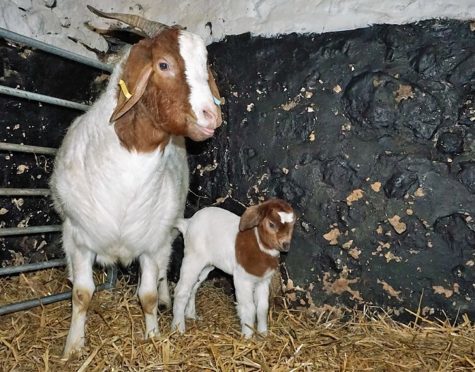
<point>120,203</point>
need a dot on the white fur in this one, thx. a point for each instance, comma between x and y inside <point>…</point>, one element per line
<point>270,252</point>
<point>209,238</point>
<point>196,72</point>
<point>119,205</point>
<point>286,217</point>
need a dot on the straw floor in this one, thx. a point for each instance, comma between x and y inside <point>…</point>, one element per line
<point>298,340</point>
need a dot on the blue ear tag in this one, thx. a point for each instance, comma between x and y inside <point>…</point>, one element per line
<point>217,101</point>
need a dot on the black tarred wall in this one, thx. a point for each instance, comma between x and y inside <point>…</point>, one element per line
<point>369,134</point>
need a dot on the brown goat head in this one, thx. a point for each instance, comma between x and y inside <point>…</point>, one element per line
<point>274,220</point>
<point>172,92</point>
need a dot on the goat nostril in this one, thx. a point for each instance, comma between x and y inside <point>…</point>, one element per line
<point>209,115</point>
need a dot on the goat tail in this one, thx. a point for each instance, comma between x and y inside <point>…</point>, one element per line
<point>182,224</point>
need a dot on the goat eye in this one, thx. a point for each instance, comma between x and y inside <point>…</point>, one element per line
<point>163,66</point>
<point>271,225</point>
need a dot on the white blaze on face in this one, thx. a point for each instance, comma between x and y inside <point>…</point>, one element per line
<point>194,53</point>
<point>286,217</point>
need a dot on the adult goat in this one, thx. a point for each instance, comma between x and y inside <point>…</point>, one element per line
<point>121,175</point>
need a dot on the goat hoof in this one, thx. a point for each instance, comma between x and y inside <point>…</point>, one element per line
<point>154,333</point>
<point>70,351</point>
<point>178,326</point>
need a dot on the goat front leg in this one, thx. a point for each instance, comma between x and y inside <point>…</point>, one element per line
<point>80,262</point>
<point>148,294</point>
<point>261,299</point>
<point>246,308</point>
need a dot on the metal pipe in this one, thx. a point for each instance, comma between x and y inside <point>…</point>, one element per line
<point>28,41</point>
<point>25,305</point>
<point>9,270</point>
<point>24,192</point>
<point>29,230</point>
<point>27,148</point>
<point>42,98</point>
<point>28,304</point>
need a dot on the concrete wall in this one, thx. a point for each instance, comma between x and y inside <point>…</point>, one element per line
<point>62,22</point>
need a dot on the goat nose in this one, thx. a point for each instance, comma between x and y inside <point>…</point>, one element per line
<point>285,246</point>
<point>212,116</point>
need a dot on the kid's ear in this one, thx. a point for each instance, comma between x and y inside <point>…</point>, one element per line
<point>251,218</point>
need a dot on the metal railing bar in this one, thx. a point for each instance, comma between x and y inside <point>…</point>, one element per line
<point>27,148</point>
<point>42,98</point>
<point>24,192</point>
<point>9,231</point>
<point>33,43</point>
<point>28,304</point>
<point>9,270</point>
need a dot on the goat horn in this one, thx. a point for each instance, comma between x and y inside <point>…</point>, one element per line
<point>148,28</point>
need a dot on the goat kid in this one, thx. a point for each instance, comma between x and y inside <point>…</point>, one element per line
<point>247,248</point>
<point>120,188</point>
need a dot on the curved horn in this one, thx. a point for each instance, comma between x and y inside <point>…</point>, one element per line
<point>147,27</point>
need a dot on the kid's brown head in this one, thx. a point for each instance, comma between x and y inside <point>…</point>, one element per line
<point>274,220</point>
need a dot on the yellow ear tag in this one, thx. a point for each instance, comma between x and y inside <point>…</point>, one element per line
<point>123,88</point>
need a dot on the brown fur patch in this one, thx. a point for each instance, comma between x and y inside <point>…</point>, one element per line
<point>164,108</point>
<point>149,302</point>
<point>81,299</point>
<point>250,257</point>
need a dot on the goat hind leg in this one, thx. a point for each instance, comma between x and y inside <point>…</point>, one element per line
<point>162,259</point>
<point>190,310</point>
<point>191,268</point>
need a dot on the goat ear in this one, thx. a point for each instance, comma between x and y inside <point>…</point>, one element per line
<point>212,85</point>
<point>251,218</point>
<point>136,73</point>
<point>125,105</point>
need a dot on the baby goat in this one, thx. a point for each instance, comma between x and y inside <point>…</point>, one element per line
<point>247,248</point>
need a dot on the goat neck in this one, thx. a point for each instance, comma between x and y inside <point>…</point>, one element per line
<point>253,258</point>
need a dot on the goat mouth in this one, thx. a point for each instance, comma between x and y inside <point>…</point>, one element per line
<point>206,131</point>
<point>200,133</point>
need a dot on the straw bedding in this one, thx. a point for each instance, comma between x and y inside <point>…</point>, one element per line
<point>299,340</point>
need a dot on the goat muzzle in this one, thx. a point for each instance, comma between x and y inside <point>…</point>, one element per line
<point>285,247</point>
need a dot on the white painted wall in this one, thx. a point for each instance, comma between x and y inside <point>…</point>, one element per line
<point>56,21</point>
